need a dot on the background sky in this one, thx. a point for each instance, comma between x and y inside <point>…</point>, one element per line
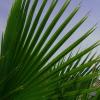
<point>87,5</point>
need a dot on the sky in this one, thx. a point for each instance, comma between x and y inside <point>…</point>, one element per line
<point>92,6</point>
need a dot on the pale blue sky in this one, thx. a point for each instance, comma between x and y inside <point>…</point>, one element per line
<point>87,5</point>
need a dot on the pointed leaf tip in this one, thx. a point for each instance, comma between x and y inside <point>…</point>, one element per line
<point>88,13</point>
<point>80,3</point>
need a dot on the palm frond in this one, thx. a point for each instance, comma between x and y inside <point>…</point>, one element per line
<point>28,70</point>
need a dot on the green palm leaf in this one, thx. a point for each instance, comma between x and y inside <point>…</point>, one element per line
<point>28,70</point>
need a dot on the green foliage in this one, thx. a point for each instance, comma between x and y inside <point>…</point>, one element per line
<point>28,70</point>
